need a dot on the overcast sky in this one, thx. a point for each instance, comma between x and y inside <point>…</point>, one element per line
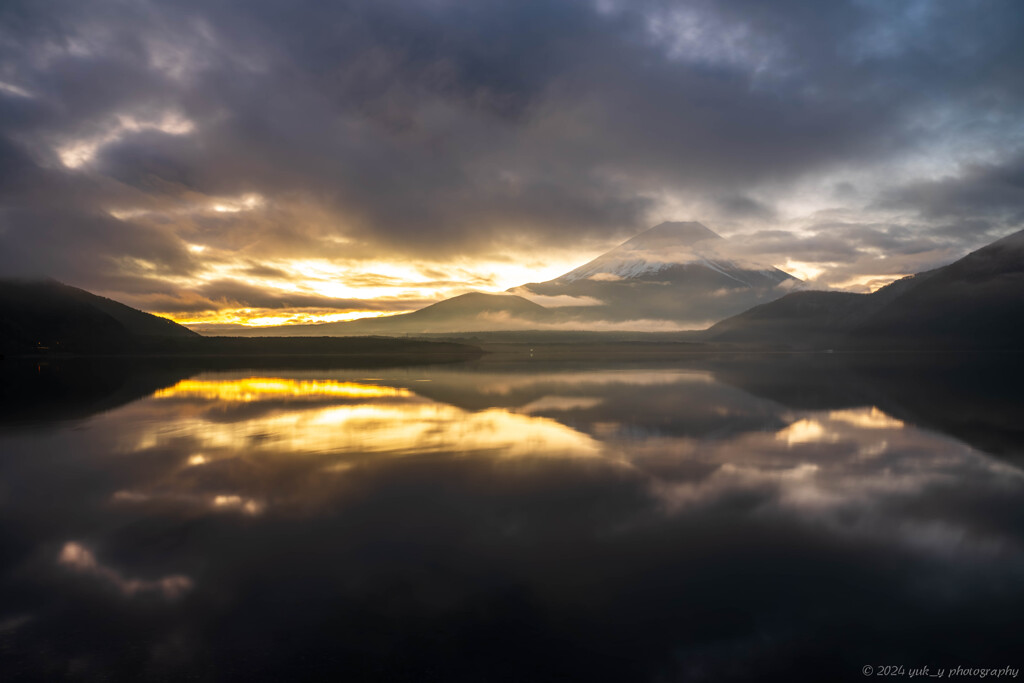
<point>236,159</point>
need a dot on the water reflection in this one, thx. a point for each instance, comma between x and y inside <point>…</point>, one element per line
<point>261,388</point>
<point>599,523</point>
<point>80,559</point>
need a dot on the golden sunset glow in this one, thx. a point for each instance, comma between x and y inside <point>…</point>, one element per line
<point>338,285</point>
<point>268,317</point>
<point>803,270</point>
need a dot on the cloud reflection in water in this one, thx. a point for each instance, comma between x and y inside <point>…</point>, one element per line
<point>851,469</point>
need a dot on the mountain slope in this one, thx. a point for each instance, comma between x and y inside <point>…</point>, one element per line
<point>466,313</point>
<point>473,312</point>
<point>977,301</point>
<point>675,272</point>
<point>48,314</point>
<point>974,303</point>
<point>801,319</point>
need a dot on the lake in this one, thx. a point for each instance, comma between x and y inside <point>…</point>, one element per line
<point>521,519</point>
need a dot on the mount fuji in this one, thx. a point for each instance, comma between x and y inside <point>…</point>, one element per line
<point>674,272</point>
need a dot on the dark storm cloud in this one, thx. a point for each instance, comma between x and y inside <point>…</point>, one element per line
<point>994,191</point>
<point>50,224</point>
<point>740,206</point>
<point>76,243</point>
<point>433,127</point>
<point>258,270</point>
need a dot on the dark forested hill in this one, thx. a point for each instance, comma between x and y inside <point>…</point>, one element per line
<point>48,315</point>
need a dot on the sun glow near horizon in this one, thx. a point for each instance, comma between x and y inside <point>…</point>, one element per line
<point>371,289</point>
<point>251,284</point>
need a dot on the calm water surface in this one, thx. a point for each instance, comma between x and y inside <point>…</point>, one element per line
<point>490,523</point>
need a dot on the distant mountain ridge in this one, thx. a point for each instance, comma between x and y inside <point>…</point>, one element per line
<point>976,302</point>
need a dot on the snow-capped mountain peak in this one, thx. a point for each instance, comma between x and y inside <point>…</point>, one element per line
<point>670,234</point>
<point>670,245</point>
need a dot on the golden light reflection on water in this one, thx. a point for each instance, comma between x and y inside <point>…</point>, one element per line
<point>385,419</point>
<point>250,445</point>
<point>260,388</point>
